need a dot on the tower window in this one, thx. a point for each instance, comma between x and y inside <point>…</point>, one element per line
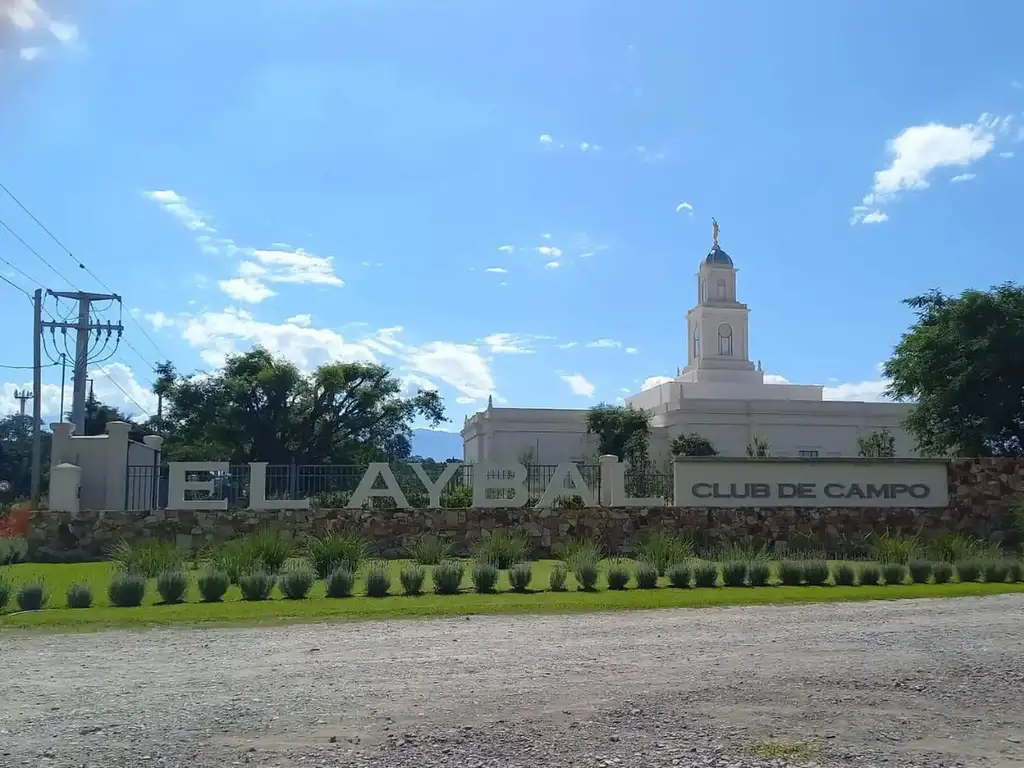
<point>721,289</point>
<point>696,342</point>
<point>725,340</point>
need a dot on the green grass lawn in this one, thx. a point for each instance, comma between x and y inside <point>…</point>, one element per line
<point>317,607</point>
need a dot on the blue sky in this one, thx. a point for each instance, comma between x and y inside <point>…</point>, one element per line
<point>483,195</point>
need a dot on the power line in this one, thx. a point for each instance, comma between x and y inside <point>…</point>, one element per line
<point>81,265</point>
<point>16,287</point>
<point>121,389</point>
<point>35,253</point>
<point>26,367</point>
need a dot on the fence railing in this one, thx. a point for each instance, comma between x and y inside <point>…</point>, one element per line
<point>331,485</point>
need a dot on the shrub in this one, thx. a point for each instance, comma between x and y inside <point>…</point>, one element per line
<point>457,497</point>
<point>920,571</point>
<point>519,577</point>
<point>646,575</point>
<point>334,550</point>
<point>31,596</point>
<point>5,591</point>
<point>816,573</point>
<point>1015,572</point>
<point>586,573</point>
<point>705,575</point>
<point>680,575</point>
<point>268,548</point>
<point>295,583</point>
<point>745,549</point>
<point>148,557</point>
<point>734,573</point>
<point>894,548</point>
<point>447,577</point>
<point>428,549</point>
<point>127,590</point>
<point>172,586</point>
<point>869,575</point>
<point>894,573</point>
<point>617,575</point>
<point>580,550</point>
<point>412,577</point>
<point>557,577</point>
<point>759,573</point>
<point>996,571</point>
<point>212,585</point>
<point>663,551</point>
<point>378,579</point>
<point>485,576</point>
<point>843,575</point>
<point>256,585</point>
<point>969,570</point>
<point>503,549</point>
<point>79,596</point>
<point>942,572</point>
<point>957,547</point>
<point>13,550</point>
<point>791,573</point>
<point>340,582</point>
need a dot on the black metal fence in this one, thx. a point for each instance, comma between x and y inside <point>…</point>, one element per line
<point>331,485</point>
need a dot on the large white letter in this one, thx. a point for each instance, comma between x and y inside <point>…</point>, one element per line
<point>508,477</point>
<point>434,489</point>
<point>258,491</point>
<point>177,485</point>
<point>365,490</point>
<point>557,487</point>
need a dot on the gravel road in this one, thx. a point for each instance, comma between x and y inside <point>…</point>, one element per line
<point>916,683</point>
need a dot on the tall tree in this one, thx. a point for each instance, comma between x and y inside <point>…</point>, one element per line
<point>693,444</point>
<point>962,361</point>
<point>259,407</point>
<point>622,431</point>
<point>880,444</point>
<point>16,454</point>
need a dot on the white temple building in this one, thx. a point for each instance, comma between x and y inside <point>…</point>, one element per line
<point>720,394</point>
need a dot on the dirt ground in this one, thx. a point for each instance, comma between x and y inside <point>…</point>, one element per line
<point>916,683</point>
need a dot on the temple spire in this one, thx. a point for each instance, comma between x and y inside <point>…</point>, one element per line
<point>714,231</point>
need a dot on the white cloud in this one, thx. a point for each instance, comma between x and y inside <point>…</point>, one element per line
<point>648,155</point>
<point>874,217</point>
<point>604,344</point>
<point>1006,155</point>
<point>106,391</point>
<point>774,378</point>
<point>219,334</point>
<point>496,270</point>
<point>297,266</point>
<point>27,15</point>
<point>549,250</point>
<point>568,345</point>
<point>586,146</point>
<point>684,206</point>
<point>921,149</point>
<point>578,384</point>
<point>178,206</point>
<point>304,320</point>
<point>159,320</point>
<point>545,139</point>
<point>553,265</point>
<point>247,289</point>
<point>30,54</point>
<point>463,400</point>
<point>653,381</point>
<point>546,235</point>
<point>964,177</point>
<point>506,248</point>
<point>412,384</point>
<point>860,391</point>
<point>508,343</point>
<point>631,350</point>
<point>367,263</point>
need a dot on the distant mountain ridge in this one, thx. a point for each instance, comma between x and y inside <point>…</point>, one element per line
<point>437,445</point>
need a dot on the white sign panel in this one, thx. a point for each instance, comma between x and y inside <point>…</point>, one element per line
<point>809,483</point>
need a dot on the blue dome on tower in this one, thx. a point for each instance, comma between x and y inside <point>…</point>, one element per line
<point>717,257</point>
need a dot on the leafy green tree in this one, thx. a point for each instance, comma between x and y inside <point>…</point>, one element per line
<point>880,444</point>
<point>962,362</point>
<point>692,444</point>
<point>16,455</point>
<point>620,430</point>
<point>259,407</point>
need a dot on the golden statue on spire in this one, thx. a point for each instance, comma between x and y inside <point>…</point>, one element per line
<point>714,230</point>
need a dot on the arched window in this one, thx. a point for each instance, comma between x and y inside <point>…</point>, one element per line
<point>721,289</point>
<point>725,340</point>
<point>696,342</point>
<point>703,291</point>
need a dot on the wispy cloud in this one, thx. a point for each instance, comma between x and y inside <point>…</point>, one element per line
<point>578,384</point>
<point>604,344</point>
<point>29,17</point>
<point>684,206</point>
<point>496,270</point>
<point>919,150</point>
<point>963,177</point>
<point>178,206</point>
<point>649,155</point>
<point>509,344</point>
<point>553,265</point>
<point>506,248</point>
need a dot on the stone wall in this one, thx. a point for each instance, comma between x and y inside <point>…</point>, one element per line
<point>982,494</point>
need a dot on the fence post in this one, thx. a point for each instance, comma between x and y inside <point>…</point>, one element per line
<point>293,480</point>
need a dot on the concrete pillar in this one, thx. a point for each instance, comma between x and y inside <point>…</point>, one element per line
<point>60,450</point>
<point>115,464</point>
<point>65,482</point>
<point>613,480</point>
